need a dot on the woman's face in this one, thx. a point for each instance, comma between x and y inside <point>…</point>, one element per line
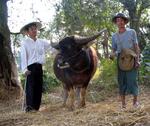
<point>120,22</point>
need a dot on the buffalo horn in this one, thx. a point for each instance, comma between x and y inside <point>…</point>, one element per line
<point>84,40</point>
<point>55,45</point>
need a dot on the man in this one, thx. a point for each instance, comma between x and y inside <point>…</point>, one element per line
<point>126,38</point>
<point>32,57</point>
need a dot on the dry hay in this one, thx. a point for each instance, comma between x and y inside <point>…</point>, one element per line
<point>104,113</point>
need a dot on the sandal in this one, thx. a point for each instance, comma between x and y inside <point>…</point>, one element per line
<point>136,105</point>
<point>123,106</point>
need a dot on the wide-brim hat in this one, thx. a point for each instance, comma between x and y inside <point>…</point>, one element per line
<point>120,15</point>
<point>126,59</point>
<point>25,27</point>
<point>127,51</point>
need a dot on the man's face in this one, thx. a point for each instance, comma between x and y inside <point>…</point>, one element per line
<point>32,31</point>
<point>120,22</point>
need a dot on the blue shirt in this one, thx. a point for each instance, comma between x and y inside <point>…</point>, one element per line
<point>126,39</point>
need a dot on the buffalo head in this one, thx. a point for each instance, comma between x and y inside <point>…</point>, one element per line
<point>70,47</point>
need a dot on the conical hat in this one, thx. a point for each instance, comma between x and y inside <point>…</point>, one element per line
<point>25,27</point>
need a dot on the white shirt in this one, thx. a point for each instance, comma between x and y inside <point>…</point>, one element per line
<point>33,52</point>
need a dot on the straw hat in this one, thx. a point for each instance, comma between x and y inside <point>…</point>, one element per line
<point>25,27</point>
<point>126,59</point>
<point>120,15</point>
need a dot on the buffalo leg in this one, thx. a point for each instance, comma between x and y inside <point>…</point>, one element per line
<point>82,94</point>
<point>71,99</point>
<point>78,95</point>
<point>65,96</point>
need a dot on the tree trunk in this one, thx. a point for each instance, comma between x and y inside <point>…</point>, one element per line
<point>9,85</point>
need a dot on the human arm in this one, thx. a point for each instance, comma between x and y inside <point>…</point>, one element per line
<point>137,59</point>
<point>48,47</point>
<point>136,49</point>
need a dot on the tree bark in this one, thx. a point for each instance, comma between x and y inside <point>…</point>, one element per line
<point>9,85</point>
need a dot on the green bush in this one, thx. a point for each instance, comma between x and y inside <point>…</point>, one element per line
<point>108,72</point>
<point>104,82</point>
<point>49,82</point>
<point>106,76</point>
<point>144,72</point>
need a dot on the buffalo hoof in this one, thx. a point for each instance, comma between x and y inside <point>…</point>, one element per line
<point>70,108</point>
<point>81,105</point>
<point>63,105</point>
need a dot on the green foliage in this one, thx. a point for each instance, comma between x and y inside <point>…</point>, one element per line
<point>145,66</point>
<point>87,16</point>
<point>49,82</point>
<point>80,17</point>
<point>49,79</point>
<point>108,72</point>
<point>104,82</point>
<point>106,75</point>
<point>146,54</point>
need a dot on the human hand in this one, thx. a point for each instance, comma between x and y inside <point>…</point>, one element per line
<point>137,63</point>
<point>112,55</point>
<point>27,73</point>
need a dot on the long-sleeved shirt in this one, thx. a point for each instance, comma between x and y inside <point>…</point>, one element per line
<point>33,52</point>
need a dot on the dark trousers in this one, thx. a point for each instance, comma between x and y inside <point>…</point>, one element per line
<point>34,87</point>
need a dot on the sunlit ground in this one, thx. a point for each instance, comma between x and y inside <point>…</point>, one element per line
<point>103,113</point>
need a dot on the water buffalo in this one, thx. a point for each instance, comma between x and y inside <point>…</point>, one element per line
<point>74,65</point>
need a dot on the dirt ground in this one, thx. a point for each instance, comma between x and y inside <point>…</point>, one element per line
<point>103,113</point>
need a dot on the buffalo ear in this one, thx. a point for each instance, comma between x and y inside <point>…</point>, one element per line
<point>55,45</point>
